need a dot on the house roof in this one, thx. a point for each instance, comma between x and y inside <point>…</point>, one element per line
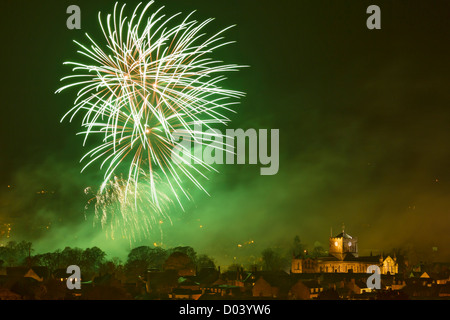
<point>182,281</point>
<point>445,289</point>
<point>207,277</point>
<point>16,271</point>
<point>182,291</point>
<point>415,274</point>
<point>278,279</point>
<point>169,278</point>
<point>31,274</point>
<point>439,275</point>
<point>304,276</point>
<point>361,283</point>
<point>218,282</point>
<point>350,257</point>
<point>6,294</point>
<point>312,284</point>
<point>328,258</point>
<point>22,271</point>
<point>40,271</point>
<point>235,275</point>
<point>61,273</point>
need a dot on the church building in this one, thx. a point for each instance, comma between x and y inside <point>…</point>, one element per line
<point>343,257</point>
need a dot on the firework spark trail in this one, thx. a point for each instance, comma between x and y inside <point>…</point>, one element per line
<point>147,82</point>
<point>125,210</point>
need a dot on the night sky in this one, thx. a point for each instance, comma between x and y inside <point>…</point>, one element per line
<point>363,117</point>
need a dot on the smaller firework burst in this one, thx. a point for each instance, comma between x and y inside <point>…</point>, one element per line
<point>124,208</point>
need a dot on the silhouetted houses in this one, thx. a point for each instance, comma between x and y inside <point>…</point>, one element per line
<point>182,294</point>
<point>38,273</point>
<point>305,290</point>
<point>6,294</point>
<point>274,284</point>
<point>161,283</point>
<point>180,262</point>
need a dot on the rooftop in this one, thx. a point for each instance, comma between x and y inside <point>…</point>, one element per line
<point>344,235</point>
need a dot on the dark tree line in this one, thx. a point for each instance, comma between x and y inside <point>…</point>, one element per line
<point>94,261</point>
<point>140,259</point>
<point>14,253</point>
<point>276,259</point>
<point>144,258</point>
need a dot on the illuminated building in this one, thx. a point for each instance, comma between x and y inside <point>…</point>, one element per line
<point>343,257</point>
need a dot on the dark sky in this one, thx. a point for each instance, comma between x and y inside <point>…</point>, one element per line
<point>363,118</point>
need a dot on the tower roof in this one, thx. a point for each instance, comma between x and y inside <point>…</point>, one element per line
<point>344,235</point>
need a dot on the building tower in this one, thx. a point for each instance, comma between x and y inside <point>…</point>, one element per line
<point>343,245</point>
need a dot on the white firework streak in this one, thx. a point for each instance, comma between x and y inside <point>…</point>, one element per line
<point>126,209</point>
<point>148,81</point>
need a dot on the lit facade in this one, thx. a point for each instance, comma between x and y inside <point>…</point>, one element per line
<point>343,258</point>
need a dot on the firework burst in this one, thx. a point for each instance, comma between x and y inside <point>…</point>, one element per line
<point>147,85</point>
<point>121,203</point>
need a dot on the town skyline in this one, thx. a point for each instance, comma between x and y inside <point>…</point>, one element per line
<point>342,112</point>
<point>180,273</point>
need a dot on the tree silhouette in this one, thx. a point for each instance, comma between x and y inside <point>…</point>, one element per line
<point>187,250</point>
<point>51,260</point>
<point>318,251</point>
<point>91,260</point>
<point>15,253</point>
<point>142,258</point>
<point>298,247</point>
<point>205,261</point>
<point>70,256</point>
<point>180,262</point>
<point>273,261</point>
